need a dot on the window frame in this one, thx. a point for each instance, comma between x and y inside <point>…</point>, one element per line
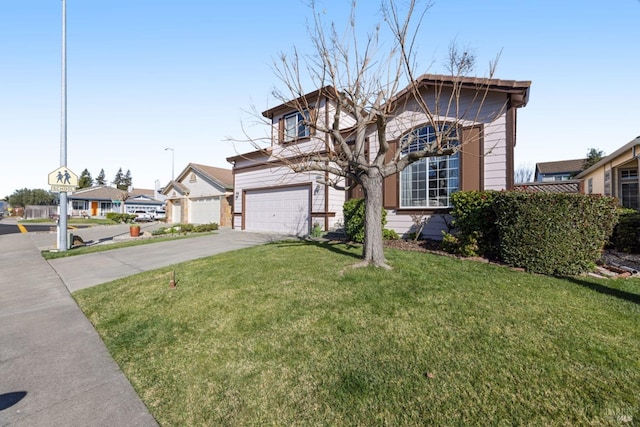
<point>629,188</point>
<point>301,128</point>
<point>429,170</point>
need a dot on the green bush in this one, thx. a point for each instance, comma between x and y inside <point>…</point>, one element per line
<point>465,245</point>
<point>548,233</point>
<point>121,218</point>
<point>203,228</point>
<point>353,210</point>
<point>626,235</point>
<point>474,222</point>
<point>388,234</point>
<point>316,230</point>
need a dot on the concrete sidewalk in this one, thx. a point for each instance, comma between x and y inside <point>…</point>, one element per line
<point>54,368</point>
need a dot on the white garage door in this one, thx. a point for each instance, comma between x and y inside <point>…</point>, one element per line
<point>282,210</point>
<point>205,211</point>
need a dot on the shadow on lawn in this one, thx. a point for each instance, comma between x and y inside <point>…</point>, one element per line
<point>627,296</point>
<point>341,248</point>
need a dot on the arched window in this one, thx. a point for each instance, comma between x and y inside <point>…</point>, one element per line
<point>429,182</point>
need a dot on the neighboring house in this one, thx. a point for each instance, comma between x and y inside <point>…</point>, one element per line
<point>200,195</point>
<point>616,175</point>
<point>268,196</point>
<point>562,170</point>
<point>100,200</point>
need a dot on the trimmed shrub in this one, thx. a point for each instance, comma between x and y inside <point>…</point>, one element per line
<point>474,222</point>
<point>353,210</point>
<point>626,235</point>
<point>120,217</point>
<point>547,233</point>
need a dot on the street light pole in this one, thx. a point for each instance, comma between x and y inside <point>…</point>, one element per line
<point>172,162</point>
<point>62,218</point>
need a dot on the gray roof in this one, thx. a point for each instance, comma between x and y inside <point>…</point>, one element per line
<point>561,166</point>
<point>103,192</point>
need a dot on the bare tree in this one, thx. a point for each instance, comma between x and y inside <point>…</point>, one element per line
<point>523,173</point>
<point>376,102</point>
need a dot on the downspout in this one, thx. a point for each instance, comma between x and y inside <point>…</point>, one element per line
<point>326,174</point>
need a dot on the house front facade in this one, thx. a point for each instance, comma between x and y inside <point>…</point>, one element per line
<point>616,175</point>
<point>200,194</point>
<point>98,201</point>
<point>269,196</point>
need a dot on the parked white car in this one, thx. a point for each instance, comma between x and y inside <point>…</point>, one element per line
<point>142,216</point>
<point>160,214</point>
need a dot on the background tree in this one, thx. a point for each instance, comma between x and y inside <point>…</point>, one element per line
<point>127,180</point>
<point>101,179</point>
<point>119,180</point>
<point>524,173</point>
<point>25,197</point>
<point>593,156</point>
<point>85,180</point>
<point>365,75</point>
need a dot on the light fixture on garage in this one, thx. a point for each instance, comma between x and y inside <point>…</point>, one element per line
<point>237,195</point>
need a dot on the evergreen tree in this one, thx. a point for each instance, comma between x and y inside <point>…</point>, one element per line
<point>119,180</point>
<point>101,179</point>
<point>85,180</point>
<point>127,180</point>
<point>593,156</point>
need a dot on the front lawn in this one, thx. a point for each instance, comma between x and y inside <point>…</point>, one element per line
<point>286,334</point>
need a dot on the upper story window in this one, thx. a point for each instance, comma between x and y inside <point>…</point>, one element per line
<point>429,182</point>
<point>295,126</point>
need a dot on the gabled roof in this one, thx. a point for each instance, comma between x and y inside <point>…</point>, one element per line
<point>518,89</point>
<point>221,177</point>
<point>180,187</point>
<point>561,166</point>
<point>104,192</point>
<point>302,99</point>
<point>628,146</point>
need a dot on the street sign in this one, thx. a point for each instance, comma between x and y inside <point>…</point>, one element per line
<point>62,180</point>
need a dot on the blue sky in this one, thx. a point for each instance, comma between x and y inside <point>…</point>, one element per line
<point>145,75</point>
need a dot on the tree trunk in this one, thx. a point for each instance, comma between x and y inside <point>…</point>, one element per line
<point>373,250</point>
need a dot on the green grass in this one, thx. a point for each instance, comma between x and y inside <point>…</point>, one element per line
<point>286,334</point>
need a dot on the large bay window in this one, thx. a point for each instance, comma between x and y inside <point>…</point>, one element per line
<point>429,182</point>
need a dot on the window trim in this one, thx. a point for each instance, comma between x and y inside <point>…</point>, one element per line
<point>631,179</point>
<point>428,160</point>
<point>299,125</point>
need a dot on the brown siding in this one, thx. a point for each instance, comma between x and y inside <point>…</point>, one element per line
<point>390,186</point>
<point>471,161</point>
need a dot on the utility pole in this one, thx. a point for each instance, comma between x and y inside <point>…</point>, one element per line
<point>172,162</point>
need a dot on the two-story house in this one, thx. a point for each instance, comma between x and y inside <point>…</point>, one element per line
<point>269,196</point>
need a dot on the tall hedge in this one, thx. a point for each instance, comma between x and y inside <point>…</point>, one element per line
<point>626,235</point>
<point>548,233</point>
<point>474,221</point>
